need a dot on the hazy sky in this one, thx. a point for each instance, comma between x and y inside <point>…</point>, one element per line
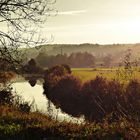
<point>95,21</point>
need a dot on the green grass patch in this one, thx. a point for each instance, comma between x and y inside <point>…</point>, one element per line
<point>86,74</point>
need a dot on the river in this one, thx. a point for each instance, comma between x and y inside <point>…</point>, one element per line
<point>35,94</point>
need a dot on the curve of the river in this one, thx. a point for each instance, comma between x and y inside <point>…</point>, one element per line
<point>35,94</point>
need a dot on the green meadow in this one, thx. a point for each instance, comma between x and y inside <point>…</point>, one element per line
<point>86,74</point>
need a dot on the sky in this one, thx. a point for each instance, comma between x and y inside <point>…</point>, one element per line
<point>94,21</point>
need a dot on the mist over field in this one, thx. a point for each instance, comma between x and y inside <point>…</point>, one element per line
<point>97,55</point>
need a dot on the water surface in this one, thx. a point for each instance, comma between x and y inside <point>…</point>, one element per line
<point>29,93</point>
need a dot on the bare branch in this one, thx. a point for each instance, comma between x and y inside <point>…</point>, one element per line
<point>21,19</point>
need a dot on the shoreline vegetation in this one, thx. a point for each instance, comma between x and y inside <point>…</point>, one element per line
<point>17,122</point>
<point>84,74</point>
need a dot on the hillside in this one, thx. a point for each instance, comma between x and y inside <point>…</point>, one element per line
<point>112,52</point>
<point>95,49</point>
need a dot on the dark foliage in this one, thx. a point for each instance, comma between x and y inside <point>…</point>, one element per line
<point>32,82</point>
<point>24,107</point>
<point>6,97</point>
<point>67,67</point>
<point>67,98</point>
<point>96,99</point>
<point>102,98</point>
<point>31,68</point>
<point>9,98</point>
<point>74,60</point>
<point>54,74</point>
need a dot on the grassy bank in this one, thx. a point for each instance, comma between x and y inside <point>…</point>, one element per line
<point>35,126</point>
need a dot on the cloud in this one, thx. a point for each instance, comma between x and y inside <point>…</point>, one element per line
<point>72,12</point>
<point>63,13</point>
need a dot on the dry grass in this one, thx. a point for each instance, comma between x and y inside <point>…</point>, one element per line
<point>17,125</point>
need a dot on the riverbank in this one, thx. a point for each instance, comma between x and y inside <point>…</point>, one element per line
<point>36,126</point>
<point>35,95</point>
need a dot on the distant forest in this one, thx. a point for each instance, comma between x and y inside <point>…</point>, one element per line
<point>75,60</point>
<point>83,55</point>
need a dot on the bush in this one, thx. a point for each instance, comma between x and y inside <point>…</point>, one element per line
<point>31,68</point>
<point>6,76</point>
<point>32,82</point>
<point>67,68</point>
<point>66,94</point>
<point>53,75</point>
<point>132,99</point>
<point>96,99</point>
<point>24,107</point>
<point>6,97</point>
<point>58,70</point>
<point>93,92</point>
<point>102,98</point>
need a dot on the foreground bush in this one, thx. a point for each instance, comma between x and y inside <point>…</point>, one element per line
<point>6,97</point>
<point>11,99</point>
<point>35,126</point>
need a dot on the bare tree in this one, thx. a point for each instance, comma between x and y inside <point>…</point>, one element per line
<point>21,19</point>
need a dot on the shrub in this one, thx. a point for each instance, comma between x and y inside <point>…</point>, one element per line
<point>132,99</point>
<point>93,92</point>
<point>67,68</point>
<point>66,94</point>
<point>96,99</point>
<point>6,76</point>
<point>53,75</point>
<point>58,70</point>
<point>100,97</point>
<point>24,107</point>
<point>6,97</point>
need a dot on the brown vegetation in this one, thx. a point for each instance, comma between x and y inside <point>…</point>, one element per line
<point>6,77</point>
<point>95,99</point>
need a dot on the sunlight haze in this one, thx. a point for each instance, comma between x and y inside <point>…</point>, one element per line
<point>95,21</point>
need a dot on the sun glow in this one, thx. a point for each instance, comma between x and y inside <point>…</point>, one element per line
<point>113,21</point>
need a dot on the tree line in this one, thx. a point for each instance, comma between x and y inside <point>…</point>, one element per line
<point>76,60</point>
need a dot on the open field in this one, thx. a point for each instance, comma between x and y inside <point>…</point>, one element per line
<point>86,74</point>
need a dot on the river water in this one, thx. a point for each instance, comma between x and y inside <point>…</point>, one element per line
<point>35,94</point>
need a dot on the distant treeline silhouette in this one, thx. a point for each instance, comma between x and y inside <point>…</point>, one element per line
<point>74,60</point>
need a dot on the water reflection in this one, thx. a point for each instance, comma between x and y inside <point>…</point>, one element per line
<point>30,93</point>
<point>32,82</point>
<point>31,79</point>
